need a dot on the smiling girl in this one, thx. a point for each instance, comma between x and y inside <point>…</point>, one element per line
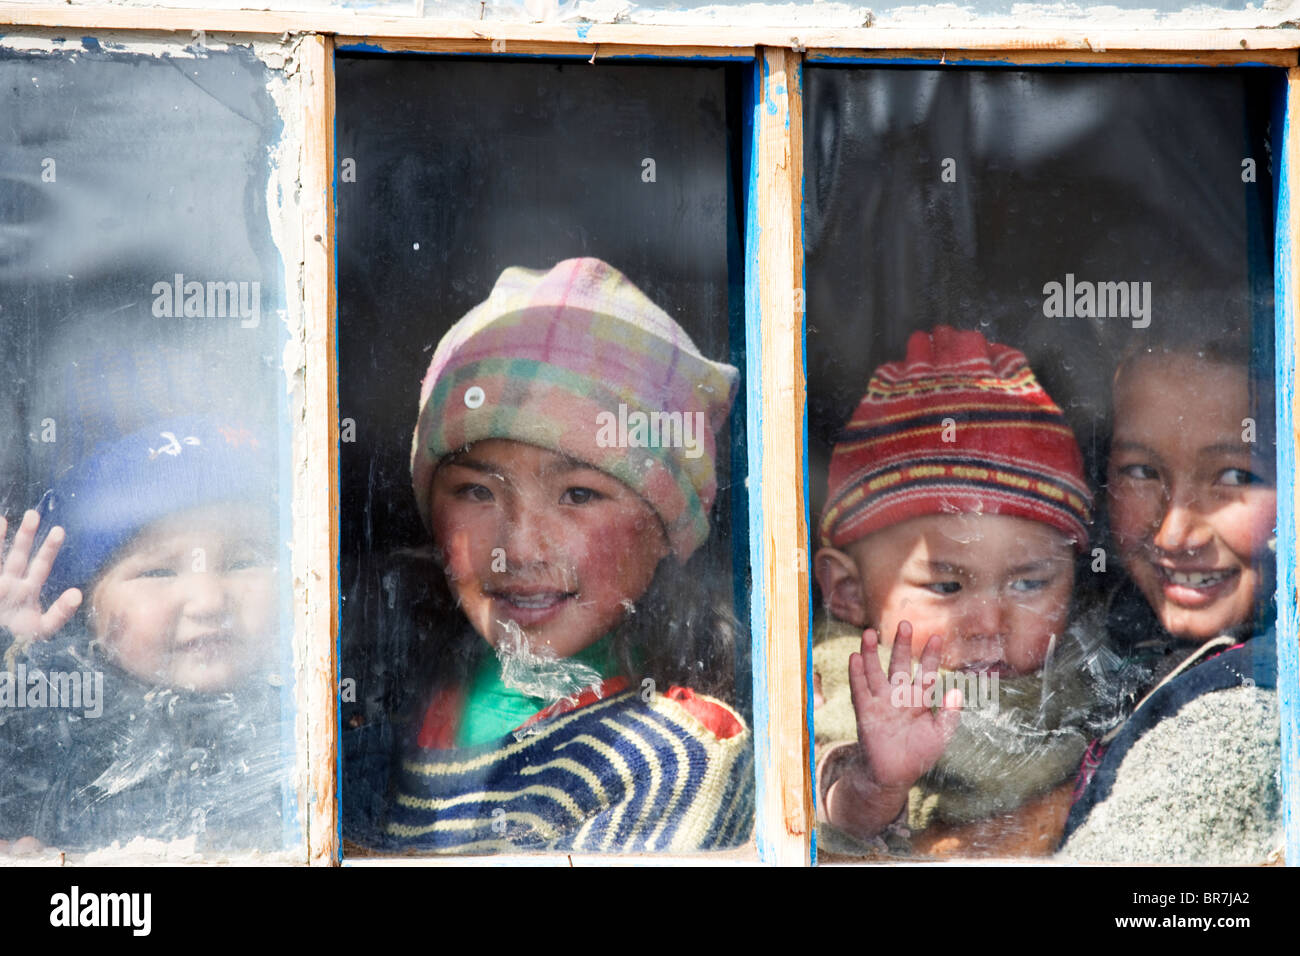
<point>1191,776</point>
<point>1193,497</point>
<point>565,706</point>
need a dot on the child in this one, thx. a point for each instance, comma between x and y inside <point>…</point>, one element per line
<point>176,733</point>
<point>556,719</point>
<point>957,503</point>
<point>1191,777</point>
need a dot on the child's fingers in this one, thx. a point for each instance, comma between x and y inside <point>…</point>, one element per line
<point>930,654</point>
<point>39,570</point>
<point>16,562</point>
<point>859,691</point>
<point>60,612</point>
<point>929,672</point>
<point>929,666</point>
<point>27,845</point>
<point>875,678</point>
<point>900,658</point>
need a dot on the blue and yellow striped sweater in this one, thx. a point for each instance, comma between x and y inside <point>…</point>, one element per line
<point>618,775</point>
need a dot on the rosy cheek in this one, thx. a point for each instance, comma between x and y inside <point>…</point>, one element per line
<point>1131,515</point>
<point>1265,519</point>
<point>885,616</point>
<point>625,528</point>
<point>1248,527</point>
<point>623,552</point>
<point>456,539</point>
<point>133,642</point>
<point>150,630</point>
<point>601,546</point>
<point>1058,613</point>
<point>924,627</point>
<point>1030,653</point>
<point>258,611</point>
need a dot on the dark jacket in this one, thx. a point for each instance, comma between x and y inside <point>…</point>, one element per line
<point>155,762</point>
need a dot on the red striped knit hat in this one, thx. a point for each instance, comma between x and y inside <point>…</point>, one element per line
<point>961,426</point>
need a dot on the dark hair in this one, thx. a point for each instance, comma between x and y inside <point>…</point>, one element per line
<point>682,630</point>
<point>1235,347</point>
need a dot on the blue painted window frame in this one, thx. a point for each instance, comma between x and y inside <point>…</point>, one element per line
<point>1284,275</point>
<point>748,509</point>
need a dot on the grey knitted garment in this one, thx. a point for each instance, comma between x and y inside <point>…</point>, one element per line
<point>1199,787</point>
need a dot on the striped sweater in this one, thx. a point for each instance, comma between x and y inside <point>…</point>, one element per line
<point>622,775</point>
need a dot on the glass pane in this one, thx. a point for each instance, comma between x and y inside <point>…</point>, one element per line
<point>1041,423</point>
<point>543,557</point>
<point>146,691</point>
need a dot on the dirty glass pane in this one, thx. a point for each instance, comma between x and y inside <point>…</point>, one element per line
<point>1041,422</point>
<point>145,692</point>
<point>541,458</point>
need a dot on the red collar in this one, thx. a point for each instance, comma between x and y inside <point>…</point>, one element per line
<point>442,719</point>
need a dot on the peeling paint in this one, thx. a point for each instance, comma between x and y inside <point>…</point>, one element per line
<point>1288,674</point>
<point>756,100</point>
<point>1233,14</point>
<point>283,203</point>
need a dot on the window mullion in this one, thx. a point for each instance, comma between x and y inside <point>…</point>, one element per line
<point>778,526</point>
<point>316,451</point>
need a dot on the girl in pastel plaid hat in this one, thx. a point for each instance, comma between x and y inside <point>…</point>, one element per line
<point>564,464</point>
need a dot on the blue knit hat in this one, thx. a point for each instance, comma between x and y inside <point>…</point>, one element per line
<point>124,486</point>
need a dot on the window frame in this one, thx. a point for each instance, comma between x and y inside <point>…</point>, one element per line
<point>1286,283</point>
<point>774,338</point>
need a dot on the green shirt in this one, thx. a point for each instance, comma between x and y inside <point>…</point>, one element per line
<point>492,709</point>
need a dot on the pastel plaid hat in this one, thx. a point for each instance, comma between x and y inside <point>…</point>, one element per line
<point>577,360</point>
<point>959,426</point>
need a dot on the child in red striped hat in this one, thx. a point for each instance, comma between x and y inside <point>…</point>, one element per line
<point>957,504</point>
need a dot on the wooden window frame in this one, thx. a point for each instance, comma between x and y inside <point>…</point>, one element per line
<point>774,336</point>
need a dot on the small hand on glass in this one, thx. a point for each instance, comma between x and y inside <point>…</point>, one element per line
<point>22,577</point>
<point>900,738</point>
<point>23,846</point>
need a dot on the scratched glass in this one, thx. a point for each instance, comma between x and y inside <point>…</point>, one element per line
<point>145,692</point>
<point>543,554</point>
<point>1040,363</point>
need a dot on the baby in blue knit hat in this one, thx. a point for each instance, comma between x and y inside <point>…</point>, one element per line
<point>155,585</point>
<point>168,536</point>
